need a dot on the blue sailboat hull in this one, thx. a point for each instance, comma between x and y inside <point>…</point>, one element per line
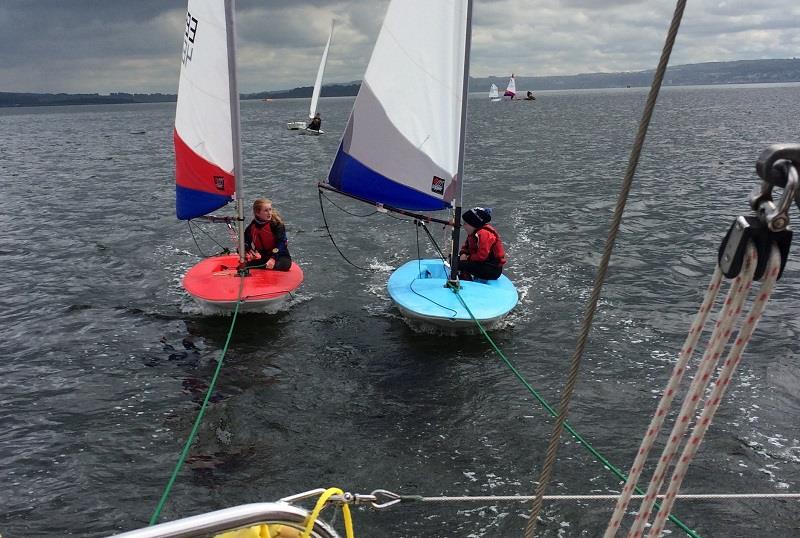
<point>418,289</point>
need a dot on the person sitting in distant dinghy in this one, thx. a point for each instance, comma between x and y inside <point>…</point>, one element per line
<point>316,123</point>
<point>265,243</point>
<point>530,97</point>
<point>482,255</point>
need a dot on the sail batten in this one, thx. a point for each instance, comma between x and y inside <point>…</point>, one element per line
<point>400,146</point>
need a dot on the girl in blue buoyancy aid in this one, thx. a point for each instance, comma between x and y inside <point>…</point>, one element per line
<point>265,241</point>
<point>482,255</point>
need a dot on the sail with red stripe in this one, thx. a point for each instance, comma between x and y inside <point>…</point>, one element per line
<point>511,89</point>
<point>204,146</point>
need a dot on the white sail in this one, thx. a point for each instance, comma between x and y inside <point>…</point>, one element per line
<point>493,92</point>
<point>203,111</point>
<point>401,144</point>
<point>207,112</point>
<point>511,89</point>
<point>318,82</point>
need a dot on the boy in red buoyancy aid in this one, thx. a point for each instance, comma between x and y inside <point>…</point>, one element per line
<point>482,255</point>
<point>265,242</point>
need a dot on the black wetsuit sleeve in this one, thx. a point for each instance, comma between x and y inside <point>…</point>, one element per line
<point>281,241</point>
<point>248,238</point>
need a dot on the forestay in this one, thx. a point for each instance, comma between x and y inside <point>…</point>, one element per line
<point>400,147</point>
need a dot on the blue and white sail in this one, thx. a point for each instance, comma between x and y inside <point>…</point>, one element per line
<point>401,144</point>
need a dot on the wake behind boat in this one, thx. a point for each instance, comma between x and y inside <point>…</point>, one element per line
<point>208,163</point>
<point>405,152</point>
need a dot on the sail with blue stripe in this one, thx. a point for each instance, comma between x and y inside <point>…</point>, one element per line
<point>401,144</point>
<point>203,136</point>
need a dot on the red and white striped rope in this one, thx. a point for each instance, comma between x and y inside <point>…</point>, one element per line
<point>722,330</point>
<point>718,392</point>
<point>666,402</point>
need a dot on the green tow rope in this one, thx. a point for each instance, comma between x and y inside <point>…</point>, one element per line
<point>578,437</point>
<point>199,419</point>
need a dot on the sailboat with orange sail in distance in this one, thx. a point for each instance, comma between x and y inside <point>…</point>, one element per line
<point>208,164</point>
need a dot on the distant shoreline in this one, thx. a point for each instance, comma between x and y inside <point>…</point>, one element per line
<point>703,74</point>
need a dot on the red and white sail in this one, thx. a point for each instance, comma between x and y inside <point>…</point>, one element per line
<point>205,151</point>
<point>511,89</point>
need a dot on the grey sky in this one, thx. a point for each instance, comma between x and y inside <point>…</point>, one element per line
<point>113,45</point>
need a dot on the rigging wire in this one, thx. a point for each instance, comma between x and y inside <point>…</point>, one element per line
<point>419,271</point>
<point>340,208</point>
<point>433,241</point>
<point>225,250</point>
<point>591,307</point>
<point>600,497</point>
<point>327,229</point>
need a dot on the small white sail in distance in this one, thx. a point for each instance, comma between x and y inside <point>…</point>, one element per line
<point>494,93</point>
<point>312,110</point>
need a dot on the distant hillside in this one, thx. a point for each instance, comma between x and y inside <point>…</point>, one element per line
<point>332,90</point>
<point>57,99</point>
<point>738,72</point>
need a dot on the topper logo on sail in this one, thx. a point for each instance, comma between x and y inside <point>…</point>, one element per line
<point>219,182</point>
<point>188,38</point>
<point>437,185</point>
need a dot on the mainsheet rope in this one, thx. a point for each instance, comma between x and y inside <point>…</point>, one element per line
<point>666,399</point>
<point>722,330</point>
<point>566,395</point>
<point>740,288</point>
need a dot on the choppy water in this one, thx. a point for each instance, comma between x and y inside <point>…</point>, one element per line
<point>105,360</point>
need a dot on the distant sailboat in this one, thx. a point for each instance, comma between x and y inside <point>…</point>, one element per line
<point>494,93</point>
<point>312,110</point>
<point>511,89</point>
<point>404,151</point>
<point>208,162</point>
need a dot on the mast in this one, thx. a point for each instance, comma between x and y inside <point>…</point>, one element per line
<point>236,144</point>
<point>460,174</point>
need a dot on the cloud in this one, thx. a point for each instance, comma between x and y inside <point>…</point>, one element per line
<point>105,45</point>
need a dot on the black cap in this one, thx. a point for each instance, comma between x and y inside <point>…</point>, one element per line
<point>477,216</point>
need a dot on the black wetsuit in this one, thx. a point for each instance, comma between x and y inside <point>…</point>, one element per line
<point>266,238</point>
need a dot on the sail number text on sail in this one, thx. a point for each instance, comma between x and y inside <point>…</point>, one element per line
<point>188,38</point>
